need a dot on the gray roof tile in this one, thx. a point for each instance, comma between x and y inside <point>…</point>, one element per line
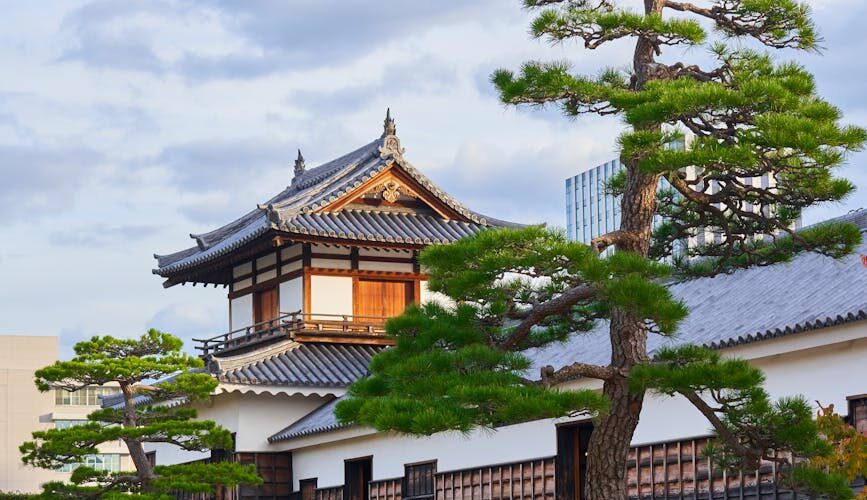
<point>316,365</point>
<point>321,419</point>
<point>812,291</point>
<point>292,211</point>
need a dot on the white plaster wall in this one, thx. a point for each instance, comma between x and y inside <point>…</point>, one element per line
<point>452,451</point>
<point>241,270</point>
<point>264,415</point>
<point>242,284</point>
<point>221,408</point>
<point>385,252</point>
<point>397,267</point>
<point>330,294</point>
<point>330,263</point>
<point>293,251</point>
<point>292,266</point>
<point>267,275</point>
<point>241,312</point>
<point>266,260</point>
<point>330,249</point>
<point>292,295</point>
<point>252,417</point>
<point>429,296</point>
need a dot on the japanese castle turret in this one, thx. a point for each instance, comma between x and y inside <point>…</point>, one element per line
<point>329,258</point>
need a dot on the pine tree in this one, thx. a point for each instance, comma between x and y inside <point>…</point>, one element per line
<point>462,367</point>
<point>166,418</point>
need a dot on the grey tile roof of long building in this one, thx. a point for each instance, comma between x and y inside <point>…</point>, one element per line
<point>292,210</point>
<point>307,365</point>
<point>808,293</point>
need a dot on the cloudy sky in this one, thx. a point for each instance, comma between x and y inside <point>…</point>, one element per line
<point>126,125</point>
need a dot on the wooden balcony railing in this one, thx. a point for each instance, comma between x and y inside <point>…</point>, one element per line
<point>302,327</point>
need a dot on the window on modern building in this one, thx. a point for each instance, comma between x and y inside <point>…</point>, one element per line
<point>88,396</point>
<point>100,461</point>
<point>858,412</point>
<point>418,481</point>
<point>66,424</point>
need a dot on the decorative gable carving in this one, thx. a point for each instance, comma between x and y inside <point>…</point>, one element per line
<point>393,190</point>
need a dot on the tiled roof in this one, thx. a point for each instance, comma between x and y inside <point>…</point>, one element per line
<point>321,419</point>
<point>116,401</point>
<point>310,365</point>
<point>810,292</point>
<point>292,211</point>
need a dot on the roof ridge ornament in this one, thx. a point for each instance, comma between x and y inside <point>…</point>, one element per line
<point>299,166</point>
<point>390,142</point>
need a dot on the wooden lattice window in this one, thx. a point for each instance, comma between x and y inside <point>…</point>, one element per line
<point>419,481</point>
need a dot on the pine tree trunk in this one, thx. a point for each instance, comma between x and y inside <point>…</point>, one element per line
<point>609,443</point>
<point>136,451</point>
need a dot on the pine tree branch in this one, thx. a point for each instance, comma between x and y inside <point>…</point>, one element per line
<point>617,237</point>
<point>775,29</point>
<point>558,305</point>
<point>550,377</point>
<point>753,457</point>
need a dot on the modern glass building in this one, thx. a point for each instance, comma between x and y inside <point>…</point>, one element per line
<point>590,211</point>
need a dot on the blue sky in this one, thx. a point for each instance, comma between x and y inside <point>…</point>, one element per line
<point>126,125</point>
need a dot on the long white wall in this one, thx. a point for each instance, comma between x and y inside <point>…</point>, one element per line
<point>793,365</point>
<point>452,450</point>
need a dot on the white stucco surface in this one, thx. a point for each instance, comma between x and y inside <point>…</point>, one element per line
<point>396,267</point>
<point>241,312</point>
<point>292,295</point>
<point>252,417</point>
<point>452,450</point>
<point>330,294</point>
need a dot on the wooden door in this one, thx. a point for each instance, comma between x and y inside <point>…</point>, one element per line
<point>571,460</point>
<point>357,476</point>
<point>308,489</point>
<point>382,298</point>
<point>266,306</point>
